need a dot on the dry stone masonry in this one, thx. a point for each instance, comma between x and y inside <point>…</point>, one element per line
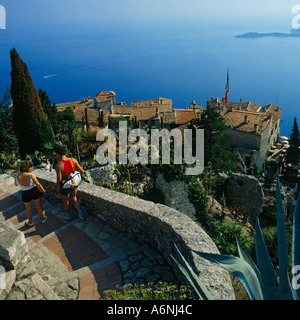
<point>127,240</point>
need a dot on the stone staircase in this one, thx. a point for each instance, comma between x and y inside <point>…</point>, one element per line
<point>74,260</point>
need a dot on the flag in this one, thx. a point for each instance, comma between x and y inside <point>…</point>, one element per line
<point>227,88</point>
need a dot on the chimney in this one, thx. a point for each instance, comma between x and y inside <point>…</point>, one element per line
<point>241,100</point>
<point>256,128</point>
<point>192,105</point>
<point>246,121</point>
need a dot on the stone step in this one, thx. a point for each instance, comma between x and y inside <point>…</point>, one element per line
<point>77,259</point>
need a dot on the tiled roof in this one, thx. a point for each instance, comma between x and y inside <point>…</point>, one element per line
<point>72,105</point>
<point>91,113</point>
<point>151,102</point>
<point>236,120</point>
<point>104,98</point>
<point>257,119</point>
<point>183,116</point>
<point>162,104</point>
<point>106,93</point>
<point>244,106</point>
<point>168,117</point>
<point>274,110</point>
<point>121,109</point>
<point>143,113</point>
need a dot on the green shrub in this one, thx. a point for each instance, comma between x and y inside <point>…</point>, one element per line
<point>218,187</point>
<point>197,196</point>
<point>225,234</point>
<point>9,161</point>
<point>160,291</point>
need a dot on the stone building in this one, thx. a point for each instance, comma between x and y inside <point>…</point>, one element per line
<point>156,112</point>
<point>253,129</point>
<point>159,112</point>
<point>162,104</point>
<point>105,100</point>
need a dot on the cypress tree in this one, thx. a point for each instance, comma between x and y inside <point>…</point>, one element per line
<point>86,120</point>
<point>30,122</point>
<point>49,109</point>
<point>100,118</point>
<point>217,148</point>
<point>293,154</point>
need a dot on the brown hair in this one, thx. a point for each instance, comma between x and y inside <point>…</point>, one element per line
<point>25,166</point>
<point>61,150</point>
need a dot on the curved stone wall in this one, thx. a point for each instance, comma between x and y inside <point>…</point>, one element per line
<point>157,225</point>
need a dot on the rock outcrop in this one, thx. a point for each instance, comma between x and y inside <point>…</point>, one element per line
<point>101,174</point>
<point>245,190</point>
<point>176,196</point>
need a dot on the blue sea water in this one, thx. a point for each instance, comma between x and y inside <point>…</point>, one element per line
<point>180,60</point>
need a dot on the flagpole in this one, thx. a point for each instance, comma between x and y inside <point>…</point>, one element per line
<point>227,87</point>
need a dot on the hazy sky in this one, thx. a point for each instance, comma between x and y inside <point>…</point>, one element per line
<point>74,11</point>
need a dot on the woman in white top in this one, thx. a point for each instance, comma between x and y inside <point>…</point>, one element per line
<point>31,190</point>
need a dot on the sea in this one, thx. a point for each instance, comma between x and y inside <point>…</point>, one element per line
<point>184,60</point>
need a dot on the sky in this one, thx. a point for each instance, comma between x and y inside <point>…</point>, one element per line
<point>26,12</point>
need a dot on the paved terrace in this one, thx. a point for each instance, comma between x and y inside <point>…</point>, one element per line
<point>77,260</point>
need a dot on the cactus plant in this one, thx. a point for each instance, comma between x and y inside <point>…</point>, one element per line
<point>261,280</point>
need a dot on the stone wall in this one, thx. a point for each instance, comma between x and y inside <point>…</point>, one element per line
<point>241,139</point>
<point>157,225</point>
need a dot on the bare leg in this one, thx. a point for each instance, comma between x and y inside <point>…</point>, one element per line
<point>39,207</point>
<point>28,206</point>
<point>75,202</point>
<point>66,202</point>
<point>68,216</point>
<point>77,205</point>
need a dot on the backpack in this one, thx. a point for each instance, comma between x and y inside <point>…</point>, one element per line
<point>73,180</point>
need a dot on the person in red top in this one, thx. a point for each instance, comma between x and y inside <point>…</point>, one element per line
<point>64,167</point>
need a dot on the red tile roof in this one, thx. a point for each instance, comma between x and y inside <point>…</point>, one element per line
<point>258,117</point>
<point>183,116</point>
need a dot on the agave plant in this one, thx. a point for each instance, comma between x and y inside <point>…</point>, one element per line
<point>261,280</point>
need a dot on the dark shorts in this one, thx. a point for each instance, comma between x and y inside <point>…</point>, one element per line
<point>32,194</point>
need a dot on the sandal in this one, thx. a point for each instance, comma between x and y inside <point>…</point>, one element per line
<point>45,219</point>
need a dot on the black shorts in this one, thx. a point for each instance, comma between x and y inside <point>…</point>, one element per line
<point>31,194</point>
<point>65,192</point>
